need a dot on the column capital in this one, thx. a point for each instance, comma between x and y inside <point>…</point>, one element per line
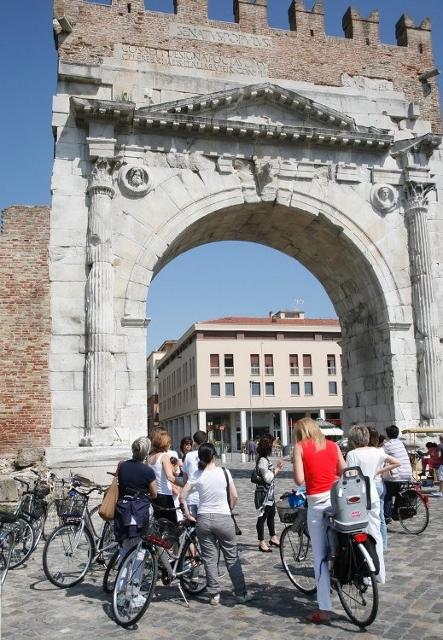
<point>417,195</point>
<point>101,179</point>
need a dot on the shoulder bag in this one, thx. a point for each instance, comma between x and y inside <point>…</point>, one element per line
<point>106,510</point>
<point>238,531</point>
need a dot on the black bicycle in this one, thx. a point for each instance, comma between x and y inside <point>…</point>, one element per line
<point>410,508</point>
<point>352,561</point>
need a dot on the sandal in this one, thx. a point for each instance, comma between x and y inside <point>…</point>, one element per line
<point>273,544</point>
<point>318,618</point>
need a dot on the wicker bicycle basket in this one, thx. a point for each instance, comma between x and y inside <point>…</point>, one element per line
<point>286,513</point>
<point>71,507</point>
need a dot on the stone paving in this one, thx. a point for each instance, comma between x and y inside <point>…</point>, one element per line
<point>411,603</point>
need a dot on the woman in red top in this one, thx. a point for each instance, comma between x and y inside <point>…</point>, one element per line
<point>317,463</point>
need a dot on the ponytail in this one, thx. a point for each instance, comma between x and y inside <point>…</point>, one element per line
<point>206,452</point>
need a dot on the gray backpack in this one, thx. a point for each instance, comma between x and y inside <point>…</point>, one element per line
<point>350,501</point>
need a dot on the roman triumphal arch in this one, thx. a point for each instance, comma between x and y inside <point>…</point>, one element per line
<point>174,130</point>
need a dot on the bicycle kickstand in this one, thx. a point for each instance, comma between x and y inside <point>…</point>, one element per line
<point>183,596</point>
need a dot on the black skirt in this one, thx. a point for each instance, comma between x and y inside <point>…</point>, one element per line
<point>168,511</point>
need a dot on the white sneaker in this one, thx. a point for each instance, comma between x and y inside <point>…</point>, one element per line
<point>215,599</point>
<point>246,597</point>
<point>138,601</point>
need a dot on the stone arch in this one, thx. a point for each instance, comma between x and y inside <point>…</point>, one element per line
<point>334,248</point>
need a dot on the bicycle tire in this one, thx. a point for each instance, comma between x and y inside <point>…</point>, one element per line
<point>359,596</point>
<point>38,525</point>
<point>67,545</point>
<point>52,521</point>
<point>195,582</point>
<point>136,577</point>
<point>297,559</point>
<point>23,542</point>
<point>7,546</point>
<point>111,572</point>
<point>418,522</point>
<point>107,544</point>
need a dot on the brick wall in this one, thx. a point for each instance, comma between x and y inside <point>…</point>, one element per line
<point>25,405</point>
<point>302,53</point>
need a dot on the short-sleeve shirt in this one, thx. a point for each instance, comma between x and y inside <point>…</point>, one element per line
<point>190,467</point>
<point>370,460</point>
<point>397,449</point>
<point>210,485</point>
<point>319,466</point>
<point>134,476</point>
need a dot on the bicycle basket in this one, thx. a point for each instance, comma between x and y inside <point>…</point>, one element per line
<point>163,533</point>
<point>72,507</point>
<point>286,513</point>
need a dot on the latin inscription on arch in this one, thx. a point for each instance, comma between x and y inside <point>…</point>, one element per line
<point>219,36</point>
<point>194,60</point>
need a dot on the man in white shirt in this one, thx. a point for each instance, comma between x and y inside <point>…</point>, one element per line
<point>395,448</point>
<point>190,466</point>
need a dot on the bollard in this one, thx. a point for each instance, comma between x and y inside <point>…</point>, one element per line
<point>223,458</point>
<point>243,457</point>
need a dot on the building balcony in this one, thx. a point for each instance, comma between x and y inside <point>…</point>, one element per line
<point>269,371</point>
<point>332,371</point>
<point>229,371</point>
<point>255,371</point>
<point>307,371</point>
<point>215,371</point>
<point>294,371</point>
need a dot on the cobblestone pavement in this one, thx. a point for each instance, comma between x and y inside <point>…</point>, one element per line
<point>411,604</point>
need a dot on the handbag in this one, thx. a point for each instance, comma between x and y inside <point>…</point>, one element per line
<point>106,510</point>
<point>260,495</point>
<point>238,531</point>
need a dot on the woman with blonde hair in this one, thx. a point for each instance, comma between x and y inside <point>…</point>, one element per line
<point>318,463</point>
<point>160,461</point>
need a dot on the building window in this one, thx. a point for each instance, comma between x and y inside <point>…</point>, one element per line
<point>269,364</point>
<point>307,364</point>
<point>309,389</point>
<point>269,389</point>
<point>332,369</point>
<point>215,389</point>
<point>332,388</point>
<point>255,364</point>
<point>293,364</point>
<point>255,388</point>
<point>229,364</point>
<point>295,388</point>
<point>214,364</point>
<point>229,389</point>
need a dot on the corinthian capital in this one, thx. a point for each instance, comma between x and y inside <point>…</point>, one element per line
<point>417,195</point>
<point>101,179</point>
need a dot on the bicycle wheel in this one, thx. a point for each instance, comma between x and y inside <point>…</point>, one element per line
<point>194,580</point>
<point>413,512</point>
<point>52,521</point>
<point>107,544</point>
<point>6,548</point>
<point>297,559</point>
<point>359,596</point>
<point>134,585</point>
<point>111,572</point>
<point>23,542</point>
<point>38,526</point>
<point>67,555</point>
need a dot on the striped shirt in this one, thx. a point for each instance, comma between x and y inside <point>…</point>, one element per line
<point>397,449</point>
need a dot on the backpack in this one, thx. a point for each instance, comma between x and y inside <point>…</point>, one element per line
<point>350,501</point>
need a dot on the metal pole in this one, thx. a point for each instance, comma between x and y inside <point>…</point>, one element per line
<point>251,426</point>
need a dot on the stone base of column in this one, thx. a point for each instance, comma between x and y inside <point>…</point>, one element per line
<point>91,462</point>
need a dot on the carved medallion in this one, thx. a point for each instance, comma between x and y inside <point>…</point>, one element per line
<point>134,181</point>
<point>384,198</point>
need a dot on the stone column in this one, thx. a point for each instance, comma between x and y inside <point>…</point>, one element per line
<point>202,420</point>
<point>284,427</point>
<point>99,372</point>
<point>423,302</point>
<point>243,427</point>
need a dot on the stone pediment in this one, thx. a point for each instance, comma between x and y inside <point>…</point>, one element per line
<point>259,111</point>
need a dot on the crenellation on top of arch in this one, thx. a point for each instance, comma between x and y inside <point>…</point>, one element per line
<point>252,15</point>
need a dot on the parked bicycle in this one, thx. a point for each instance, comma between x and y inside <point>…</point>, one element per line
<point>352,563</point>
<point>171,550</point>
<point>78,542</point>
<point>411,508</point>
<point>6,549</point>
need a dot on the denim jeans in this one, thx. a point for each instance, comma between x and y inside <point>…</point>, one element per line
<point>212,528</point>
<point>383,527</point>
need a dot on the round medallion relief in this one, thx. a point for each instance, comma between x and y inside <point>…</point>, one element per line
<point>384,197</point>
<point>134,180</point>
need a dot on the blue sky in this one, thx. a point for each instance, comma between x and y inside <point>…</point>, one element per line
<point>193,286</point>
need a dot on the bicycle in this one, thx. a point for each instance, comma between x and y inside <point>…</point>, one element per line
<point>75,545</point>
<point>410,507</point>
<point>6,549</point>
<point>351,560</point>
<point>137,572</point>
